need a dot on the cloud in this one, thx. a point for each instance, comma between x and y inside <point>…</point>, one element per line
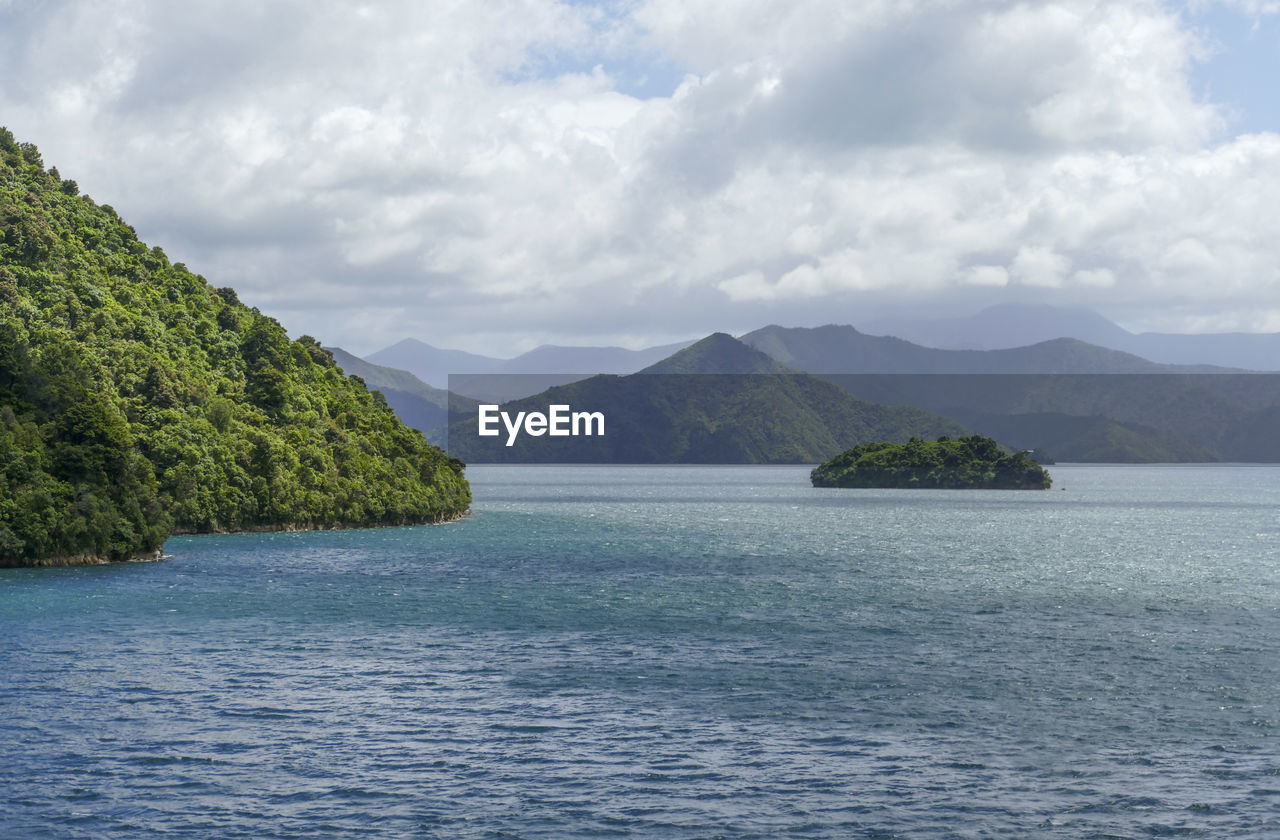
<point>1099,277</point>
<point>987,275</point>
<point>1036,265</point>
<point>481,175</point>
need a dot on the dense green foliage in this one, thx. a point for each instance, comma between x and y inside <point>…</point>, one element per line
<point>972,462</point>
<point>135,399</point>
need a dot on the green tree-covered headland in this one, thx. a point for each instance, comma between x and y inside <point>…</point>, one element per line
<point>137,401</point>
<point>971,462</point>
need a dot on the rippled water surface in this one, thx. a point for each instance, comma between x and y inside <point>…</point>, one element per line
<point>672,652</point>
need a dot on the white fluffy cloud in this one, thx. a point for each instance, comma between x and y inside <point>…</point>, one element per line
<point>485,175</point>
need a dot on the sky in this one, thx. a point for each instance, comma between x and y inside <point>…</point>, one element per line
<point>492,176</point>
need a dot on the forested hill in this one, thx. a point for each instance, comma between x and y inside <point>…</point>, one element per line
<point>136,400</point>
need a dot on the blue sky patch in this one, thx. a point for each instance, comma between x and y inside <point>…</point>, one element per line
<point>1244,69</point>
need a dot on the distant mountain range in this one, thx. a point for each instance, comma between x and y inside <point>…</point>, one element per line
<point>434,365</point>
<point>756,414</point>
<point>417,404</point>
<point>761,399</point>
<point>1018,325</point>
<point>843,349</point>
<point>1104,418</point>
<point>431,365</point>
<point>829,349</point>
<point>1112,407</point>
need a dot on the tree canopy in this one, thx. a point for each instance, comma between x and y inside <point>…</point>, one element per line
<point>972,462</point>
<point>137,400</point>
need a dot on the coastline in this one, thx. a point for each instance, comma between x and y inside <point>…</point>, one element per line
<point>294,527</point>
<point>154,555</point>
<point>58,560</point>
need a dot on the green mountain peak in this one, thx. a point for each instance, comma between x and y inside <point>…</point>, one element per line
<point>718,353</point>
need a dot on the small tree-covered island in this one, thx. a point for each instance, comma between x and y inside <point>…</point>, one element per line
<point>971,462</point>
<point>138,401</point>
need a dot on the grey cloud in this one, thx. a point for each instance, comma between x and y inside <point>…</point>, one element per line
<point>453,171</point>
<point>976,77</point>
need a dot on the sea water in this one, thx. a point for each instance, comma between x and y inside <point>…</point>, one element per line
<point>672,652</point>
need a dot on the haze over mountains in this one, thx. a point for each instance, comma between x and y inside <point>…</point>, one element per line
<point>1046,394</point>
<point>434,365</point>
<point>843,349</point>
<point>1018,325</point>
<point>719,353</point>
<point>1073,400</point>
<point>417,404</point>
<point>744,408</point>
<point>1001,339</point>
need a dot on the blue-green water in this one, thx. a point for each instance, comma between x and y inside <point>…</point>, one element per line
<point>672,652</point>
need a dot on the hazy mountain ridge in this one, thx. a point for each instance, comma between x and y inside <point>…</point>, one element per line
<point>1113,416</point>
<point>1002,327</point>
<point>388,379</point>
<point>1071,418</point>
<point>1032,339</point>
<point>719,353</point>
<point>844,349</point>
<point>1163,417</point>
<point>416,403</point>
<point>689,409</point>
<point>434,365</point>
<point>1013,325</point>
